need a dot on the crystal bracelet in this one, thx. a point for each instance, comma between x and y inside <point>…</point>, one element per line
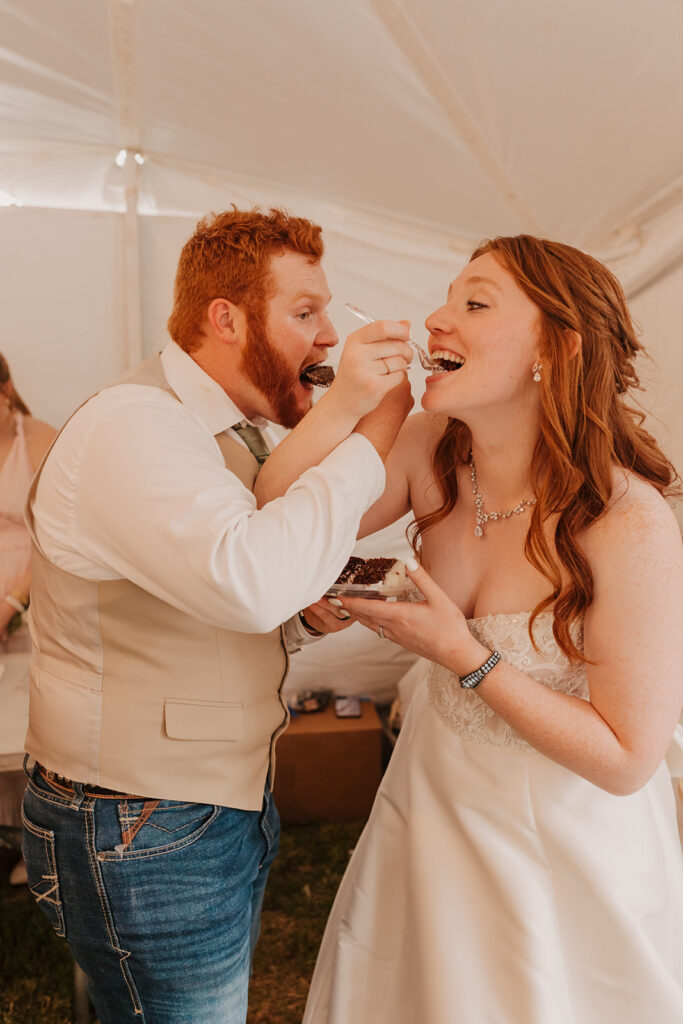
<point>473,679</point>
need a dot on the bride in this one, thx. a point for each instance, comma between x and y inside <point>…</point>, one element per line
<point>521,864</point>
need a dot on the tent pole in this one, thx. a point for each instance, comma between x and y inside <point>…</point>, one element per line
<point>123,52</point>
<point>131,265</point>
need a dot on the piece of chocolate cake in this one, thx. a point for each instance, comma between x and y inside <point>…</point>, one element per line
<point>348,573</point>
<point>319,376</point>
<point>379,574</point>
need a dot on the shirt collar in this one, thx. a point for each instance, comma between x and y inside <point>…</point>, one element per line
<point>201,393</point>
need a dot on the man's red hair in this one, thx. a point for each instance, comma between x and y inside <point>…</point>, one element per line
<point>229,257</point>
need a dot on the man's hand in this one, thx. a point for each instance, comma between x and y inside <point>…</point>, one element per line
<point>325,618</point>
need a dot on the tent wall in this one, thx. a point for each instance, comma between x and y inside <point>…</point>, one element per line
<point>62,304</point>
<point>659,313</point>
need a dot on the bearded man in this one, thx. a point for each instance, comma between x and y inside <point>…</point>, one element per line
<point>159,590</point>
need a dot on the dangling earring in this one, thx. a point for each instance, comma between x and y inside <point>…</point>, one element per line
<point>536,370</point>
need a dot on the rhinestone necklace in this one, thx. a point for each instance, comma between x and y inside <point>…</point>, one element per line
<point>483,517</point>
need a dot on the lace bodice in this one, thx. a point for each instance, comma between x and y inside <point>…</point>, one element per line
<point>465,713</point>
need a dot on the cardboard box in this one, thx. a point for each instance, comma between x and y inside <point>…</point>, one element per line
<point>328,768</point>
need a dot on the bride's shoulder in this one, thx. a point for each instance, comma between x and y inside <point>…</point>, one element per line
<point>636,515</point>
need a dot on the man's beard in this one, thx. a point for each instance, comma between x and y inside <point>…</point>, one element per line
<point>268,370</point>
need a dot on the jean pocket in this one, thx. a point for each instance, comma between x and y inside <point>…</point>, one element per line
<point>171,826</point>
<point>41,868</point>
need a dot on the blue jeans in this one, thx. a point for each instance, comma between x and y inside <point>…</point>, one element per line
<point>160,905</point>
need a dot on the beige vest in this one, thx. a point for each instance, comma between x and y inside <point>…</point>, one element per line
<point>131,694</point>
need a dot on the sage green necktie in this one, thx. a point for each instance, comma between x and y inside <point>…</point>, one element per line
<point>255,442</point>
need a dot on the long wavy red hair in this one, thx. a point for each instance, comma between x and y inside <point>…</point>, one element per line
<point>587,425</point>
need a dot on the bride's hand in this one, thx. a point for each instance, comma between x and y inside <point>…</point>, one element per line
<point>373,362</point>
<point>434,628</point>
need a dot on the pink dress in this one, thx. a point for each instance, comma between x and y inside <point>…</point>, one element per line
<point>16,474</point>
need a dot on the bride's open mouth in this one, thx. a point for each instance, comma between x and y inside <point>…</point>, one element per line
<point>446,361</point>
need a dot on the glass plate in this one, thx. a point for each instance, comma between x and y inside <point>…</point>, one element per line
<point>373,591</point>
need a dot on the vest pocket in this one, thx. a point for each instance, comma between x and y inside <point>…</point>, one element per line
<point>41,868</point>
<point>203,720</point>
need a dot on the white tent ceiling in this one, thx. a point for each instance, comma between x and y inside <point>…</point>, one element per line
<point>410,128</point>
<point>469,119</point>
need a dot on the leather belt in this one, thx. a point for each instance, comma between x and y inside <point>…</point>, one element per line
<point>60,782</point>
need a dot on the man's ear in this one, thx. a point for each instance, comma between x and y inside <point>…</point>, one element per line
<point>223,318</point>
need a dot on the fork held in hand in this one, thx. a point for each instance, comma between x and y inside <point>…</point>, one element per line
<point>425,362</point>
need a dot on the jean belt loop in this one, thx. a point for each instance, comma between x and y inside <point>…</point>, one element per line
<point>26,771</point>
<point>78,797</point>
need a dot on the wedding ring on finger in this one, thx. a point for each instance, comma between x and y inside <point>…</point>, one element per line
<point>386,366</point>
<point>380,633</point>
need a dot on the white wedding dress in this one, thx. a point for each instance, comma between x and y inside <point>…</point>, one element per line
<point>492,886</point>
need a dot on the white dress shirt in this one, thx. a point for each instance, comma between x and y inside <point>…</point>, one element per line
<point>136,488</point>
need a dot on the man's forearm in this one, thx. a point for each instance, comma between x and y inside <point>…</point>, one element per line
<point>382,425</point>
<point>319,433</point>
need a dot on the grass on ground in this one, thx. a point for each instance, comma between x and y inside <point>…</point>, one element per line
<point>36,970</point>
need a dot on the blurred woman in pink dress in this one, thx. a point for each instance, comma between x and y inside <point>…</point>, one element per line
<point>23,442</point>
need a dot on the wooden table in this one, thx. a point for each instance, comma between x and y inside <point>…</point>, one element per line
<point>328,768</point>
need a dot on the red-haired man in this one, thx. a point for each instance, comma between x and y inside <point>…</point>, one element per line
<point>159,591</point>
